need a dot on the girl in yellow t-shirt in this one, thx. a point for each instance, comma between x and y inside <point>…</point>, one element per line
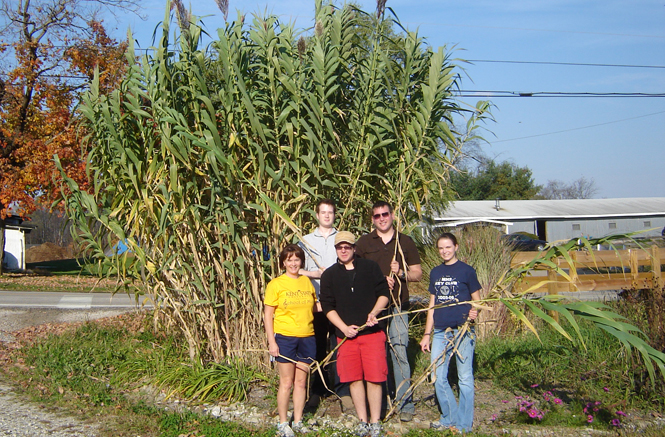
<point>290,302</point>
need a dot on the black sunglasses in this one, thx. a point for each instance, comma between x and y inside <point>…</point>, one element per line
<point>379,215</point>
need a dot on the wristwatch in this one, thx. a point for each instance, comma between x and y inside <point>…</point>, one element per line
<point>402,276</point>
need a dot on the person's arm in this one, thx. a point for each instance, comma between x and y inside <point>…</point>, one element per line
<point>473,313</point>
<point>311,268</point>
<point>414,273</point>
<point>349,331</point>
<point>429,325</point>
<point>380,305</point>
<point>268,321</point>
<point>312,274</point>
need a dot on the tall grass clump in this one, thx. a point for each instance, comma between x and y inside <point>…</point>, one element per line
<point>483,248</point>
<point>207,161</point>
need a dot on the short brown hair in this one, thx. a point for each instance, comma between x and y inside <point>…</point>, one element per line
<point>447,236</point>
<point>326,202</point>
<point>381,204</point>
<point>290,250</point>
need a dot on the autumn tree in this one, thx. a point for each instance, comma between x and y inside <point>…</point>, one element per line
<point>50,52</point>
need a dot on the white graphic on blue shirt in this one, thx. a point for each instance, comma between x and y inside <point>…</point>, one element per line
<point>447,290</point>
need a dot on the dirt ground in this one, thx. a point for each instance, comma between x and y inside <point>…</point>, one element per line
<point>47,252</point>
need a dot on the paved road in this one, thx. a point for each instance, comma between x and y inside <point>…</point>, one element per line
<point>20,309</point>
<point>82,301</point>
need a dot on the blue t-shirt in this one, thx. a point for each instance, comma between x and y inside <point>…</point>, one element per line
<point>450,284</point>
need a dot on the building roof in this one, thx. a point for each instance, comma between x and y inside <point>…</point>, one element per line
<point>16,223</point>
<point>553,209</point>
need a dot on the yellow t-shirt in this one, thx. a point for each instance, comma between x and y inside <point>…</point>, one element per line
<point>294,301</point>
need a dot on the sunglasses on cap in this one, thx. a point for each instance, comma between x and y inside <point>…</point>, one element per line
<point>380,214</point>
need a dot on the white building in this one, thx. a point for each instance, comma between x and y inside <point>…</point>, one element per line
<point>14,243</point>
<point>554,220</point>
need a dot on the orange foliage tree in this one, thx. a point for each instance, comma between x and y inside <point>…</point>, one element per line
<point>51,49</point>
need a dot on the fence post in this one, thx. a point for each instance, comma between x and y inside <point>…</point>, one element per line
<point>552,289</point>
<point>572,272</point>
<point>657,279</point>
<point>634,269</point>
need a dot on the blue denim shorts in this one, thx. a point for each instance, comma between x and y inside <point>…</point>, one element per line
<point>302,349</point>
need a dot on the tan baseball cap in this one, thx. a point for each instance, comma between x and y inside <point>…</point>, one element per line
<point>345,237</point>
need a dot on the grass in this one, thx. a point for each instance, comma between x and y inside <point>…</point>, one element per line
<point>603,378</point>
<point>96,370</point>
<point>58,276</point>
<point>61,267</point>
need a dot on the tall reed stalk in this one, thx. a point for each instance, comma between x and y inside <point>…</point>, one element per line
<point>207,162</point>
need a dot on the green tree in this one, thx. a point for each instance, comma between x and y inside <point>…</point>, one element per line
<point>207,165</point>
<point>491,180</point>
<point>581,188</point>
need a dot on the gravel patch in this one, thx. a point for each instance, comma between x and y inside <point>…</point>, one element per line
<point>24,419</point>
<point>21,418</point>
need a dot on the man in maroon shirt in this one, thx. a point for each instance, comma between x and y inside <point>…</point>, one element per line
<point>380,246</point>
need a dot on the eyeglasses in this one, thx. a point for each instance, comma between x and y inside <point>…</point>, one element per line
<point>379,215</point>
<point>344,248</point>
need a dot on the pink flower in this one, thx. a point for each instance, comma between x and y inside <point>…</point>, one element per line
<point>621,413</point>
<point>505,402</point>
<point>589,418</point>
<point>494,416</point>
<point>558,401</point>
<point>534,385</point>
<point>607,389</point>
<point>532,413</point>
<point>616,422</point>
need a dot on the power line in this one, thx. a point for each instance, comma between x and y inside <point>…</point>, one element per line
<point>576,64</point>
<point>495,94</point>
<point>473,93</point>
<point>580,128</point>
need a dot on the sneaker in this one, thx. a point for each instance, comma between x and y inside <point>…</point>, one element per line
<point>441,427</point>
<point>362,430</point>
<point>284,430</point>
<point>406,416</point>
<point>299,427</point>
<point>375,429</point>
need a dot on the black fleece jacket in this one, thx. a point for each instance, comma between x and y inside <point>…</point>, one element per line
<point>353,293</point>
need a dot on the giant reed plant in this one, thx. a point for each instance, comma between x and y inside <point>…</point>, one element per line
<point>206,162</point>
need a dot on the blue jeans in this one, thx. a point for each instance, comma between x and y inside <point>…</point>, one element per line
<point>460,416</point>
<point>398,334</point>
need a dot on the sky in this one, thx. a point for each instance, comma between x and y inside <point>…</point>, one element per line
<point>618,142</point>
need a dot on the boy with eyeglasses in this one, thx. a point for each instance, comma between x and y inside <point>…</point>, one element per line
<point>379,246</point>
<point>354,291</point>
